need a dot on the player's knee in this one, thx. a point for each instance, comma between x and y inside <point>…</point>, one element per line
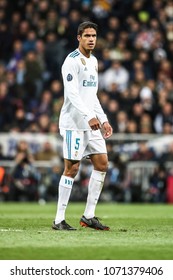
<point>102,166</point>
<point>72,172</point>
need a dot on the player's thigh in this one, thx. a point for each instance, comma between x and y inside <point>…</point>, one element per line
<point>74,144</point>
<point>96,144</point>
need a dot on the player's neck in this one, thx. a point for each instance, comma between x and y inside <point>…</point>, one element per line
<point>85,52</point>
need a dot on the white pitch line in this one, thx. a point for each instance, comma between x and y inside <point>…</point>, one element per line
<point>18,230</point>
<point>9,229</point>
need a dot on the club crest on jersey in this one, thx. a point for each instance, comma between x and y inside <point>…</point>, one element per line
<point>76,154</point>
<point>83,61</point>
<point>69,77</point>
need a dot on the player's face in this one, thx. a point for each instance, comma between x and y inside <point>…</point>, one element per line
<point>87,40</point>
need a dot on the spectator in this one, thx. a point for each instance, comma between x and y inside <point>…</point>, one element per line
<point>23,148</point>
<point>116,74</point>
<point>2,72</point>
<point>168,86</point>
<point>145,124</point>
<point>167,156</point>
<point>20,75</point>
<point>25,178</point>
<point>6,38</point>
<point>57,104</point>
<point>47,189</point>
<point>143,153</point>
<point>147,100</point>
<point>53,128</point>
<point>52,20</point>
<point>40,51</point>
<point>157,185</point>
<point>2,156</point>
<point>20,121</point>
<point>132,126</point>
<point>113,107</point>
<point>166,115</point>
<point>17,55</point>
<point>33,75</point>
<point>166,68</point>
<point>39,37</point>
<point>30,42</point>
<point>56,89</point>
<point>167,128</point>
<point>121,122</point>
<point>55,51</point>
<point>24,28</point>
<point>47,153</point>
<point>43,123</point>
<point>35,37</point>
<point>5,108</point>
<point>45,105</point>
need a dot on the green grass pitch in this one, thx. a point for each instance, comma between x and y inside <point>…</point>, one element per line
<point>141,232</point>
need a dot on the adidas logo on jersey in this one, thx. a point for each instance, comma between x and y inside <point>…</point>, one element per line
<point>85,69</point>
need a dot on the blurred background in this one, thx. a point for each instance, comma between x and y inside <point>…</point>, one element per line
<point>135,56</point>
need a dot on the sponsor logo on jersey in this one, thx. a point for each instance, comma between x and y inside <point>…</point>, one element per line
<point>91,83</point>
<point>69,77</point>
<point>83,61</point>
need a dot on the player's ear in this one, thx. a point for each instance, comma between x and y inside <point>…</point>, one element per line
<point>78,37</point>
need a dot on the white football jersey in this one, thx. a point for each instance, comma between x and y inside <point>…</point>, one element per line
<point>80,78</point>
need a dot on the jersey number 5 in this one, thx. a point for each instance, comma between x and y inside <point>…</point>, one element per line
<point>77,143</point>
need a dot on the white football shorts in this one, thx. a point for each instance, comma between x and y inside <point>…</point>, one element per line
<point>80,144</point>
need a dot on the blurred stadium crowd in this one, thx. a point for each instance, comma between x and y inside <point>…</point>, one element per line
<point>135,55</point>
<point>134,49</point>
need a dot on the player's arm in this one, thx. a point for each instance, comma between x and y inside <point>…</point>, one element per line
<point>106,127</point>
<point>70,79</point>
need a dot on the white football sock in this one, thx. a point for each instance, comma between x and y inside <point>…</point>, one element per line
<point>65,187</point>
<point>94,189</point>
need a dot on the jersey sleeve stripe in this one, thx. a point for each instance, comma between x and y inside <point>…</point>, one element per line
<point>73,54</point>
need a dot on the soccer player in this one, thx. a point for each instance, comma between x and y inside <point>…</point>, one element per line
<point>83,126</point>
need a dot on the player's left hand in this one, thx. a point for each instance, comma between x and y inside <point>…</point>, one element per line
<point>107,130</point>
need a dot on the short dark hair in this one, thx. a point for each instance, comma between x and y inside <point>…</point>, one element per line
<point>86,24</point>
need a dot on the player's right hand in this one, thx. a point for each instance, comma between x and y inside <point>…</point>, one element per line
<point>94,124</point>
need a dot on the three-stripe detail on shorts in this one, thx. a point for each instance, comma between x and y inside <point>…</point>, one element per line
<point>68,142</point>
